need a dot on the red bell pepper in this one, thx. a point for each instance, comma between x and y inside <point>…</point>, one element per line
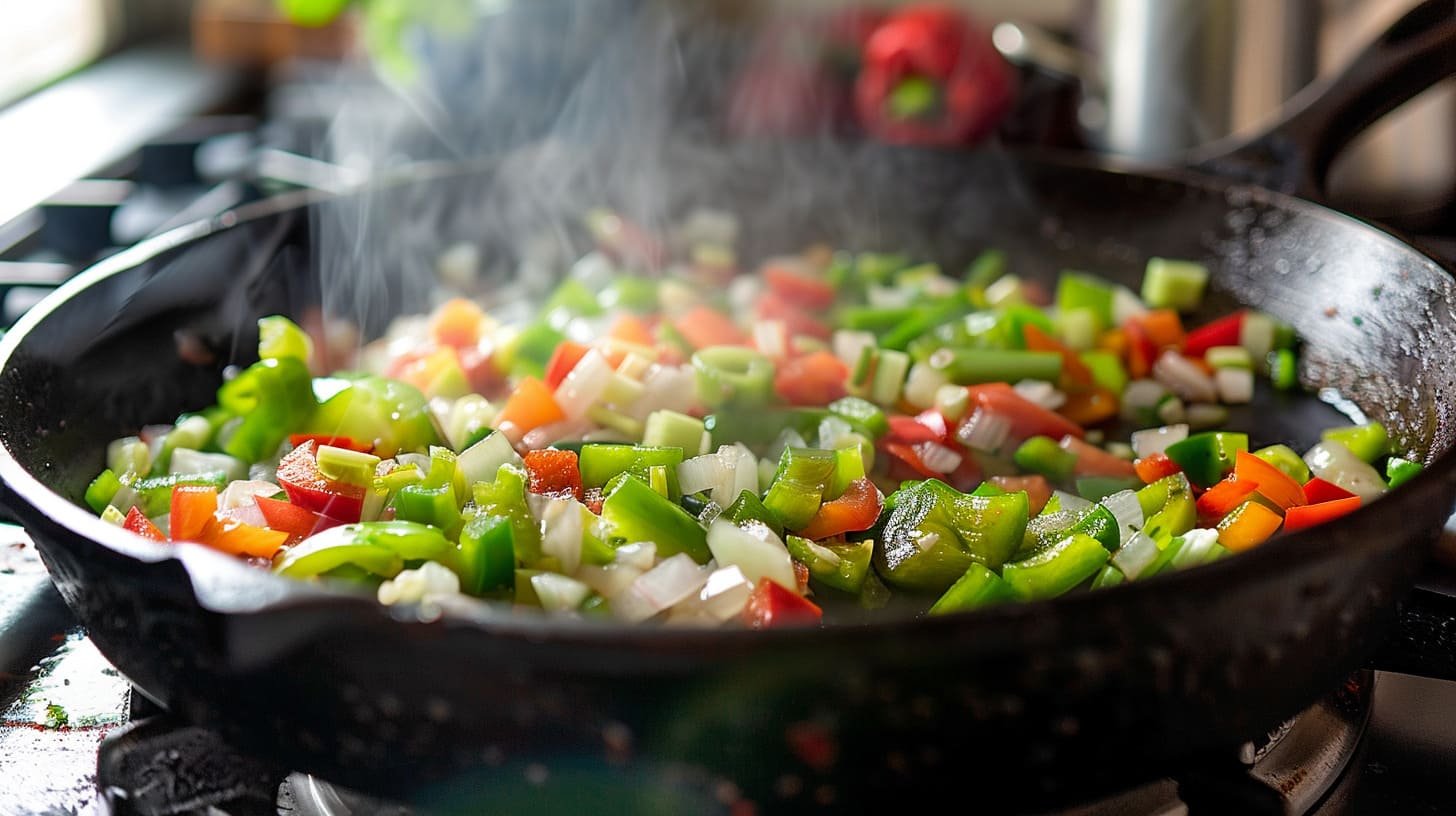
<point>772,605</point>
<point>1038,489</point>
<point>771,306</point>
<point>1223,498</point>
<point>563,360</point>
<point>137,522</point>
<point>907,464</point>
<point>1271,482</point>
<point>800,287</point>
<point>332,441</point>
<point>299,476</point>
<point>1154,467</point>
<point>298,522</point>
<point>931,76</point>
<point>814,379</point>
<point>857,509</point>
<point>1094,461</point>
<point>1221,332</point>
<point>1319,491</point>
<point>1298,518</point>
<point>1026,417</point>
<point>554,473</point>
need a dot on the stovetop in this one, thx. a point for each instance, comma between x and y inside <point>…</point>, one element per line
<point>76,739</point>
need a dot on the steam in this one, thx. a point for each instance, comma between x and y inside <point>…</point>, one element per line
<point>564,106</point>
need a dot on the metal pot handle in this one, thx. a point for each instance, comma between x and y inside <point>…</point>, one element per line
<point>1294,154</point>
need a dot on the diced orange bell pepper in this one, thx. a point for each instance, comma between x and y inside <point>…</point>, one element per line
<point>632,329</point>
<point>457,323</point>
<point>237,538</point>
<point>531,405</point>
<point>703,326</point>
<point>1074,371</point>
<point>1248,526</point>
<point>1271,482</point>
<point>1154,467</point>
<point>1223,498</point>
<point>192,511</point>
<point>1089,406</point>
<point>1163,328</point>
<point>814,379</point>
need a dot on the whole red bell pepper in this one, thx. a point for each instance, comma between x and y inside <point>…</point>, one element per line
<point>931,76</point>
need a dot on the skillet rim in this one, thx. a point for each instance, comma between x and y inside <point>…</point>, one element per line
<point>206,568</point>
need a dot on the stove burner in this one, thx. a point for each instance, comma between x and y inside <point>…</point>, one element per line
<point>155,767</point>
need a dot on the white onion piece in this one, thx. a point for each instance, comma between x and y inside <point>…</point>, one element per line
<point>849,345</point>
<point>640,555</point>
<point>1197,547</point>
<point>584,385</point>
<point>1184,378</point>
<point>669,582</point>
<point>721,599</point>
<point>672,388</point>
<point>984,431</point>
<point>755,550</point>
<point>1125,507</point>
<point>187,460</point>
<point>1136,555</point>
<point>1208,415</point>
<point>561,531</point>
<point>1139,396</point>
<point>771,338</point>
<point>745,471</point>
<point>743,292</point>
<point>922,383</point>
<point>248,513</point>
<point>888,297</point>
<point>832,430</point>
<point>705,473</point>
<point>1041,392</point>
<point>1335,463</point>
<point>609,581</point>
<point>1147,442</point>
<point>430,580</point>
<point>787,438</point>
<point>1126,304</point>
<point>481,461</point>
<point>543,436</point>
<point>241,493</point>
<point>558,593</point>
<point>1235,385</point>
<point>1172,411</point>
<point>937,457</point>
<point>1070,502</point>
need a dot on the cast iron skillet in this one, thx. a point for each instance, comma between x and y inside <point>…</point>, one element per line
<point>1023,702</point>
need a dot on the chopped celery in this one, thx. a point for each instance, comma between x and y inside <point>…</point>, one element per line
<point>733,376</point>
<point>667,429</point>
<point>101,490</point>
<point>862,413</point>
<point>1078,290</point>
<point>973,366</point>
<point>1169,284</point>
<point>890,373</point>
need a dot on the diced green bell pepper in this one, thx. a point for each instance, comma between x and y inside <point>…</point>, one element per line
<point>839,566</point>
<point>747,507</point>
<point>977,588</point>
<point>1174,284</point>
<point>528,352</point>
<point>487,554</point>
<point>273,398</point>
<point>280,337</point>
<point>101,490</point>
<point>1398,471</point>
<point>1109,576</point>
<point>506,497</point>
<point>1057,569</point>
<point>670,429</point>
<point>1177,514</point>
<point>428,505</point>
<point>1368,442</point>
<point>934,534</point>
<point>1049,528</point>
<point>391,415</point>
<point>798,485</point>
<point>1208,457</point>
<point>1107,369</point>
<point>600,463</point>
<point>1042,454</point>
<point>1097,488</point>
<point>861,413</point>
<point>1286,460</point>
<point>637,513</point>
<point>1078,290</point>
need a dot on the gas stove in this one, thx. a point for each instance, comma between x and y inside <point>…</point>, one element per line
<point>76,738</point>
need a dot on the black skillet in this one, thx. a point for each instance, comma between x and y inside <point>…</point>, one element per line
<point>1019,705</point>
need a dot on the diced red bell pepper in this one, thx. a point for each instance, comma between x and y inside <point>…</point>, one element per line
<point>332,441</point>
<point>857,509</point>
<point>907,462</point>
<point>1223,498</point>
<point>593,499</point>
<point>1271,482</point>
<point>771,605</point>
<point>192,511</point>
<point>1140,350</point>
<point>137,522</point>
<point>772,307</point>
<point>1319,491</point>
<point>554,473</point>
<point>1154,467</point>
<point>703,326</point>
<point>814,379</point>
<point>1026,417</point>
<point>480,370</point>
<point>800,287</point>
<point>1094,461</point>
<point>1224,331</point>
<point>912,431</point>
<point>563,360</point>
<point>298,522</point>
<point>1038,489</point>
<point>967,475</point>
<point>300,478</point>
<point>1309,515</point>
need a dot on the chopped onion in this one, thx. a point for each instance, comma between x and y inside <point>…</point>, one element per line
<point>1184,378</point>
<point>430,580</point>
<point>832,430</point>
<point>1334,463</point>
<point>721,599</point>
<point>187,460</point>
<point>1147,442</point>
<point>1206,416</point>
<point>984,431</point>
<point>848,345</point>
<point>1126,304</point>
<point>771,338</point>
<point>669,582</point>
<point>938,457</point>
<point>634,366</point>
<point>671,388</point>
<point>561,531</point>
<point>558,593</point>
<point>1171,411</point>
<point>1136,555</point>
<point>639,555</point>
<point>248,513</point>
<point>242,493</point>
<point>1198,548</point>
<point>481,461</point>
<point>755,550</point>
<point>745,470</point>
<point>888,297</point>
<point>743,292</point>
<point>952,401</point>
<point>544,435</point>
<point>922,384</point>
<point>1235,385</point>
<point>1041,392</point>
<point>1140,396</point>
<point>787,438</point>
<point>1071,503</point>
<point>706,472</point>
<point>1125,507</point>
<point>584,385</point>
<point>608,581</point>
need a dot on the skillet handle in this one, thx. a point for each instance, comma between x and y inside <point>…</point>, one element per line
<point>1294,155</point>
